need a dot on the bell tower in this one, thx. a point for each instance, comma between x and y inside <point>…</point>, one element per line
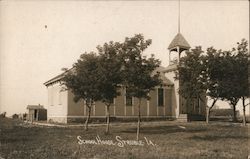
<point>178,44</point>
<point>176,48</point>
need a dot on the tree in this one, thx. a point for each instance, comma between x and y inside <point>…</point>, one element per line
<point>214,70</point>
<point>221,74</point>
<point>230,85</point>
<point>242,56</point>
<point>137,71</point>
<point>110,74</point>
<point>198,76</point>
<point>82,81</point>
<point>191,76</point>
<point>227,75</point>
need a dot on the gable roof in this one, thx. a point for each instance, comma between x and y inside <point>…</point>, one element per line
<point>164,79</point>
<point>180,41</point>
<point>158,69</point>
<point>57,78</point>
<point>170,68</point>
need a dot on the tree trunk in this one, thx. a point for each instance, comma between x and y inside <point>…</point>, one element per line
<point>244,111</point>
<point>139,119</point>
<point>207,115</point>
<point>208,111</point>
<point>108,119</point>
<point>187,106</point>
<point>88,117</point>
<point>234,113</point>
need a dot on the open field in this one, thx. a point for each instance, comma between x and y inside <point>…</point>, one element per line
<point>174,140</point>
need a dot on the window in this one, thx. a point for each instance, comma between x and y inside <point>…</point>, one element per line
<point>160,96</point>
<point>128,99</point>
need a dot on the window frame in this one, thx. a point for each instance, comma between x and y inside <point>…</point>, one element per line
<point>160,103</point>
<point>130,104</point>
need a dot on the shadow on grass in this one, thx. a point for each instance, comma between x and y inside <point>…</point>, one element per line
<point>164,130</point>
<point>217,137</point>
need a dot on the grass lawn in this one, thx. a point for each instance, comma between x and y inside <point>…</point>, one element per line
<point>194,140</point>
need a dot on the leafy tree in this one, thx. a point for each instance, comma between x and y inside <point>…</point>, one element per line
<point>214,70</point>
<point>110,74</point>
<point>231,75</point>
<point>137,71</point>
<point>199,76</point>
<point>230,86</point>
<point>227,76</point>
<point>242,56</point>
<point>83,81</point>
<point>221,74</point>
<point>191,74</point>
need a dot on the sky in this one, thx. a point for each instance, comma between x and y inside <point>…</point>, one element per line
<point>39,38</point>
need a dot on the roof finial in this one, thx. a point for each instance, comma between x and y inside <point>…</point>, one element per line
<point>179,18</point>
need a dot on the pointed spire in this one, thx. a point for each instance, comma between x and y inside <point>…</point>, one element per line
<point>179,41</point>
<point>179,17</point>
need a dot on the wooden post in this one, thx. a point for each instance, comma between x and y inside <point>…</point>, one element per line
<point>32,116</point>
<point>37,115</point>
<point>147,107</point>
<point>114,106</point>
